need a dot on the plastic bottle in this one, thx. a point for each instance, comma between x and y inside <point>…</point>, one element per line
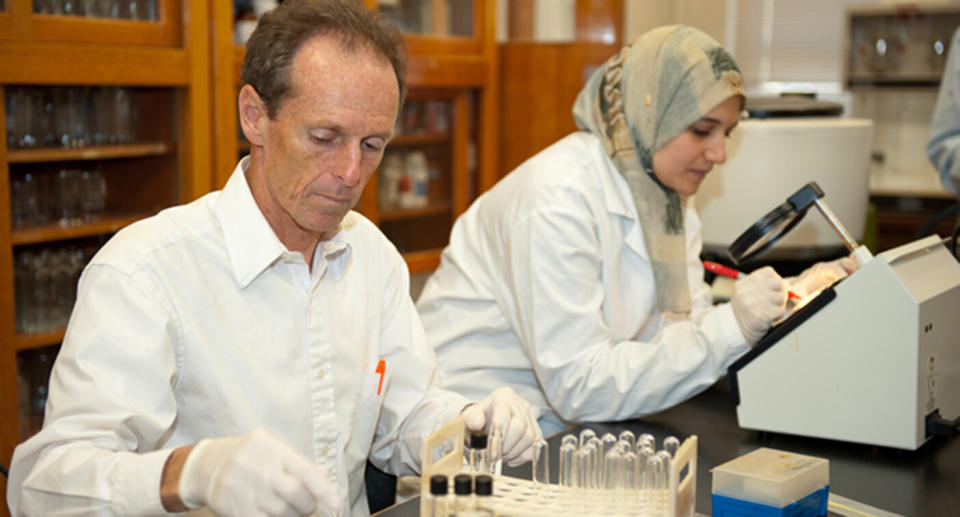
<point>391,174</point>
<point>419,174</point>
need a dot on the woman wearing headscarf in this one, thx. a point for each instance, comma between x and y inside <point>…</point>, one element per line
<point>576,279</point>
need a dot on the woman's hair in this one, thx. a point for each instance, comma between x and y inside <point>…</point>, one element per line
<point>283,30</point>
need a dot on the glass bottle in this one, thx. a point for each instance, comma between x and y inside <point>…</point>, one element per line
<point>439,505</point>
<point>463,493</point>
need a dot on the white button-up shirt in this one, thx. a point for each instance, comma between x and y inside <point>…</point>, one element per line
<point>199,323</point>
<point>547,287</point>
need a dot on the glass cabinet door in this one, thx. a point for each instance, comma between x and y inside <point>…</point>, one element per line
<point>431,17</point>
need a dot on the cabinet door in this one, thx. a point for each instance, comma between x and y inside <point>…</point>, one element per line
<point>125,22</point>
<point>423,182</point>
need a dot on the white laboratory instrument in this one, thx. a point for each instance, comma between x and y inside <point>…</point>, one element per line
<point>874,359</point>
<point>787,142</point>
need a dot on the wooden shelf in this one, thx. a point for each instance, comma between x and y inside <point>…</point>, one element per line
<point>438,208</point>
<point>420,139</point>
<point>99,225</point>
<point>90,153</point>
<point>422,261</point>
<point>23,341</point>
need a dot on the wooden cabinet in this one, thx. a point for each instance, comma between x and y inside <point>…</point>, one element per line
<point>70,78</point>
<point>452,71</point>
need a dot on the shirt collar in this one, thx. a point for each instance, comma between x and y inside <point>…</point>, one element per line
<point>251,244</point>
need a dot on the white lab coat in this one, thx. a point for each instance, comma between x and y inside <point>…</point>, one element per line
<point>198,323</point>
<point>547,287</point>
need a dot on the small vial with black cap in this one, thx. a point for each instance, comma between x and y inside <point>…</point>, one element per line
<point>483,490</point>
<point>439,501</point>
<point>478,443</point>
<point>463,494</point>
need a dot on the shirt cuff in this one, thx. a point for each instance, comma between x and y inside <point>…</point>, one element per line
<point>728,334</point>
<point>137,482</point>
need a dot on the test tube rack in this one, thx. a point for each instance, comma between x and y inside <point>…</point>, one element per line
<point>442,453</point>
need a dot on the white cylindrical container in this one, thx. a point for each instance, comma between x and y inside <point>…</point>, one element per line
<point>391,174</point>
<point>770,159</point>
<point>419,173</point>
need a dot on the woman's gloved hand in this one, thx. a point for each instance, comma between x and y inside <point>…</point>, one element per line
<point>511,416</point>
<point>255,474</point>
<point>758,300</point>
<point>821,275</point>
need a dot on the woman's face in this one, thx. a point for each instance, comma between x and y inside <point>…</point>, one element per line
<point>683,162</point>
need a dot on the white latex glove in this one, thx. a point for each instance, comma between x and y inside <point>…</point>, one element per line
<point>511,415</point>
<point>821,275</point>
<point>255,474</point>
<point>758,300</point>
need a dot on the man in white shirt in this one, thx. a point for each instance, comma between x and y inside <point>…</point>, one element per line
<point>249,351</point>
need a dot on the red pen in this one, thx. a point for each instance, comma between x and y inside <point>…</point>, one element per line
<point>729,272</point>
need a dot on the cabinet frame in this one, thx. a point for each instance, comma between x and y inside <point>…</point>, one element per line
<point>171,53</point>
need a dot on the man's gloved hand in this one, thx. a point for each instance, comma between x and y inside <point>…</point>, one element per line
<point>758,300</point>
<point>511,415</point>
<point>821,275</point>
<point>256,473</point>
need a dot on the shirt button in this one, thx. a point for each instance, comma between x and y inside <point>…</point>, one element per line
<point>325,450</point>
<point>320,373</point>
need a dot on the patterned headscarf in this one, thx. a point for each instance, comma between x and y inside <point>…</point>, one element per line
<point>636,102</point>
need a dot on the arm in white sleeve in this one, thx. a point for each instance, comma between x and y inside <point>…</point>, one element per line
<point>553,297</point>
<point>110,404</point>
<point>943,147</point>
<point>415,406</point>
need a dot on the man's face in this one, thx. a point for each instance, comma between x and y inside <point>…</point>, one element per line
<point>327,137</point>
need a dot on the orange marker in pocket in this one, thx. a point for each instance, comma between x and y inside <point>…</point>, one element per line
<point>381,369</point>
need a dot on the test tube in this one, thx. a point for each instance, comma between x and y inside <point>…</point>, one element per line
<point>541,463</point>
<point>586,435</point>
<point>612,469</point>
<point>438,495</point>
<point>646,439</point>
<point>667,463</point>
<point>579,472</point>
<point>630,470</point>
<point>569,438</point>
<point>643,461</point>
<point>607,441</point>
<point>478,443</point>
<point>657,474</point>
<point>629,483</point>
<point>494,449</point>
<point>671,444</point>
<point>594,463</point>
<point>567,450</point>
<point>628,436</point>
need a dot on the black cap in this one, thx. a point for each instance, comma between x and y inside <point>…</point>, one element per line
<point>438,484</point>
<point>484,484</point>
<point>478,441</point>
<point>462,484</point>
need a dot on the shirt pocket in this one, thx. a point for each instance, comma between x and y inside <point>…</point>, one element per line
<point>365,415</point>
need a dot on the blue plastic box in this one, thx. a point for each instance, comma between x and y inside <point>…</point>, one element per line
<point>813,505</point>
